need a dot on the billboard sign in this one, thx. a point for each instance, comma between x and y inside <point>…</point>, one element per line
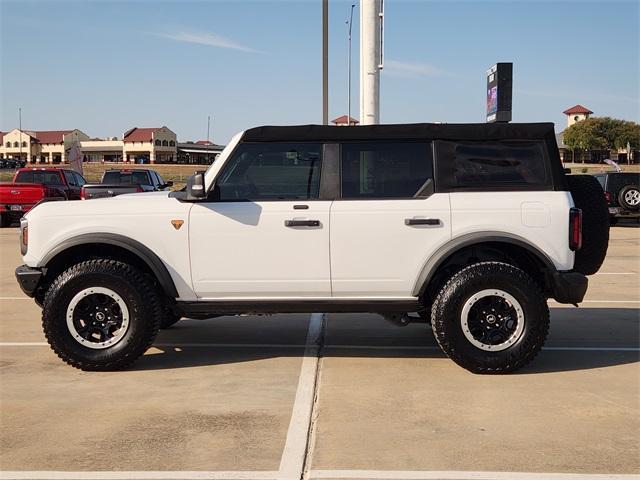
<point>499,89</point>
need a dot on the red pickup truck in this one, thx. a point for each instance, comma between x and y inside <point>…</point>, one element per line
<point>32,185</point>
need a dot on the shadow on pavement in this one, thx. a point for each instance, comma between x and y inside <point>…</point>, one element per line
<point>572,333</point>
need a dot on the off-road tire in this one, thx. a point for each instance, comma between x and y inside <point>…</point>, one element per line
<point>623,200</point>
<point>139,295</point>
<point>447,310</point>
<point>588,196</point>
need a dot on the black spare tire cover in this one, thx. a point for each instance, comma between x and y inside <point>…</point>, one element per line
<point>589,197</point>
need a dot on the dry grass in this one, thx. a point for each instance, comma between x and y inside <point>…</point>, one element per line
<point>599,168</point>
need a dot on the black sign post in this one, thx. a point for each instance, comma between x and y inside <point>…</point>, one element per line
<point>499,87</point>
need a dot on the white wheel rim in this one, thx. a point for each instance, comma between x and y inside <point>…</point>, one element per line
<point>78,315</point>
<point>632,197</point>
<point>470,326</point>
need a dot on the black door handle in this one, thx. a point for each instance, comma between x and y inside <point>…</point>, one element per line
<point>422,221</point>
<point>302,223</point>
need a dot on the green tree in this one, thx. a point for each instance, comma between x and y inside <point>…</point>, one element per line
<point>602,133</point>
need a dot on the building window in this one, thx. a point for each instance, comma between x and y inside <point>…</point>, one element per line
<point>8,144</point>
<point>157,143</point>
<point>24,144</point>
<point>16,144</point>
<point>172,143</point>
<point>165,143</point>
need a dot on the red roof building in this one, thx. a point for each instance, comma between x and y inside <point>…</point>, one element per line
<point>344,120</point>
<point>139,134</point>
<point>578,109</point>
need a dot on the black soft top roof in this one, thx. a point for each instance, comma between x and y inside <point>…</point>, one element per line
<point>408,131</point>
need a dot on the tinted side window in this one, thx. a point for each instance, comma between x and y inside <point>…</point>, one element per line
<point>500,165</point>
<point>386,169</point>
<point>79,179</point>
<point>272,171</point>
<point>71,180</point>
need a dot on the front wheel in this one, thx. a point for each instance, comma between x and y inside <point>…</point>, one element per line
<point>490,317</point>
<point>101,315</point>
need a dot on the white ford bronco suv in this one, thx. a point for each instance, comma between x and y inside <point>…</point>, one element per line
<point>471,226</point>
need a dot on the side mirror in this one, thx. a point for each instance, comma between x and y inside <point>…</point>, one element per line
<point>195,187</point>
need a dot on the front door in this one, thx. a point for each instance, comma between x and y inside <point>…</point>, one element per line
<point>388,221</point>
<point>264,232</point>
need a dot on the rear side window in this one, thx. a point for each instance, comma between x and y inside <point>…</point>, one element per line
<point>386,170</point>
<point>38,176</point>
<point>79,179</point>
<point>70,178</point>
<point>272,171</point>
<point>518,165</point>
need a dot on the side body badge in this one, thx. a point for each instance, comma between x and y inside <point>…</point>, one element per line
<point>177,224</point>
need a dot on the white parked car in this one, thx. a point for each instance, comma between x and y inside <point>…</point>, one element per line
<point>472,226</point>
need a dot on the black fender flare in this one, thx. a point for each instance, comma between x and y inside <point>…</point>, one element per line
<point>458,243</point>
<point>143,252</point>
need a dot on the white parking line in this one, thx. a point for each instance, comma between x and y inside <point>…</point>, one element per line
<point>138,475</point>
<point>463,475</point>
<point>295,448</point>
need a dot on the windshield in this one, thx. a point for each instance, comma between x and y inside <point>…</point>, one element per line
<point>126,178</point>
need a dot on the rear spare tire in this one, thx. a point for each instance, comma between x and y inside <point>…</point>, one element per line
<point>629,197</point>
<point>589,197</point>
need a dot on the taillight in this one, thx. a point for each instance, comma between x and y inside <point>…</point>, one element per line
<point>575,229</point>
<point>24,236</point>
<point>139,189</point>
<point>607,196</point>
<point>83,194</point>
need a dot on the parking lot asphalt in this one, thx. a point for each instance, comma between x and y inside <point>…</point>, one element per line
<point>232,397</point>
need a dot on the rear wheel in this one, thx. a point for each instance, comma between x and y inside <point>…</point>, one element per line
<point>490,317</point>
<point>588,196</point>
<point>101,315</point>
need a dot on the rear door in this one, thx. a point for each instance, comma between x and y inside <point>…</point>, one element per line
<point>264,231</point>
<point>388,220</point>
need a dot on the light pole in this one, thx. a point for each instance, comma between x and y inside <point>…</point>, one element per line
<point>350,22</point>
<point>20,128</point>
<point>325,62</point>
<point>208,127</point>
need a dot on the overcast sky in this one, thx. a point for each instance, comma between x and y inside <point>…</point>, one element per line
<point>104,67</point>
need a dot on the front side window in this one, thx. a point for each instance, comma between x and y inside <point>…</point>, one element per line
<point>510,165</point>
<point>272,171</point>
<point>386,170</point>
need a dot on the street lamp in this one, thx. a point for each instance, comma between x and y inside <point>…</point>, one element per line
<point>350,23</point>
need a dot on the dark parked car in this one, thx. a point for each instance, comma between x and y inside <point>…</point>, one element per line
<point>622,190</point>
<point>118,182</point>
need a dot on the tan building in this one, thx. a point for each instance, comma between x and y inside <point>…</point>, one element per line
<point>149,145</point>
<point>40,146</point>
<point>142,145</point>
